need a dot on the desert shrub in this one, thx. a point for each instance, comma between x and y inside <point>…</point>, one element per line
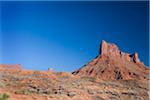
<point>4,96</point>
<point>2,84</point>
<point>87,78</point>
<point>147,76</point>
<point>26,92</point>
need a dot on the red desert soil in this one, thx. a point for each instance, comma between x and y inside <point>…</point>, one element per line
<point>112,75</point>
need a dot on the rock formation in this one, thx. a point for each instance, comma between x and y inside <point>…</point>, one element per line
<point>112,64</point>
<point>109,49</point>
<point>125,75</point>
<point>12,68</point>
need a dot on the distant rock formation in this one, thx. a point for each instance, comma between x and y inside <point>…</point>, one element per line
<point>12,67</point>
<point>112,64</point>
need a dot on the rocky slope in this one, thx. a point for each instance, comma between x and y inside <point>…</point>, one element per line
<point>112,64</point>
<point>112,75</point>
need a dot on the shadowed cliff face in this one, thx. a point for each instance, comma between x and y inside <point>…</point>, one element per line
<point>112,64</point>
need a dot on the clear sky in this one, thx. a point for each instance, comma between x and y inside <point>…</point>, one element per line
<point>67,35</point>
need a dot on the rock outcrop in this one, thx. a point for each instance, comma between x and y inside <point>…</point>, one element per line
<point>112,64</point>
<point>87,83</point>
<point>12,68</point>
<point>110,50</point>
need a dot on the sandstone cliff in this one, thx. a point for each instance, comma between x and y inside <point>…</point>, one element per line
<point>113,64</point>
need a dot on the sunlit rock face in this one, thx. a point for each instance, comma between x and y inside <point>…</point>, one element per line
<point>113,74</point>
<point>110,50</point>
<point>113,64</point>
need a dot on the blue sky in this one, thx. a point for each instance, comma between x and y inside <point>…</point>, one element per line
<point>66,35</point>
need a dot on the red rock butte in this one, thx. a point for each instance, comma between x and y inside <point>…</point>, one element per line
<point>113,64</point>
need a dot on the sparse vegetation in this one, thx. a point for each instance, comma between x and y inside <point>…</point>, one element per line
<point>4,96</point>
<point>2,84</point>
<point>26,92</point>
<point>42,85</point>
<point>87,78</point>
